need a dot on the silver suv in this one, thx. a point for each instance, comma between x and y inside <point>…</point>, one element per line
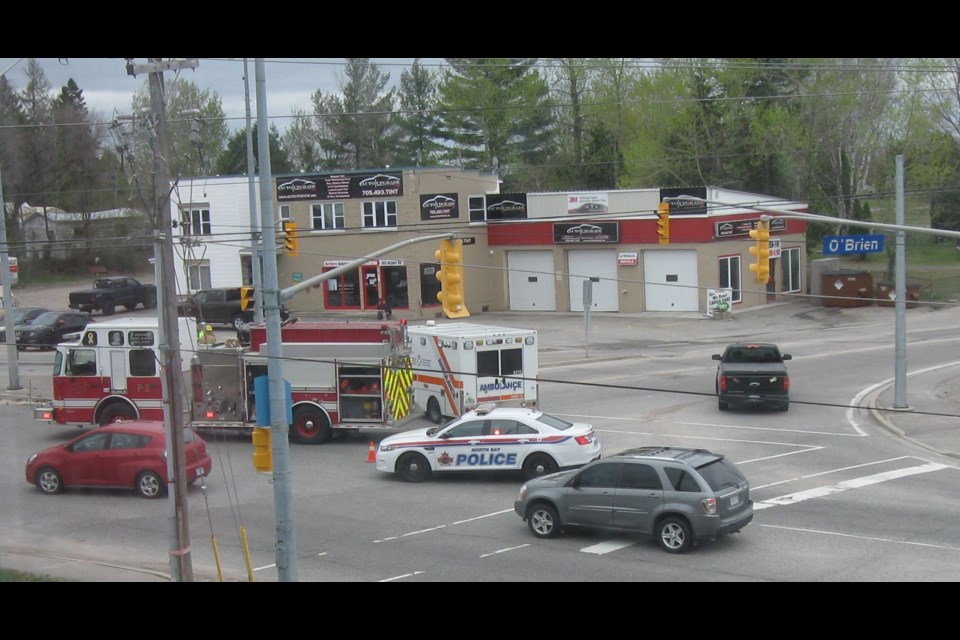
<point>677,495</point>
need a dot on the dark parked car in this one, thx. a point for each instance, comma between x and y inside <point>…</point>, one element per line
<point>111,292</point>
<point>122,455</point>
<point>48,329</point>
<point>676,495</point>
<point>20,315</point>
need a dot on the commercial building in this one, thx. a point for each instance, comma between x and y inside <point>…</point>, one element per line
<point>522,252</point>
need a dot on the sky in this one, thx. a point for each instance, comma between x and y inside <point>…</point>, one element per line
<point>289,82</point>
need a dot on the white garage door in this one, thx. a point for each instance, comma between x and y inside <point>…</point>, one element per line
<point>671,281</point>
<point>530,281</point>
<point>600,264</point>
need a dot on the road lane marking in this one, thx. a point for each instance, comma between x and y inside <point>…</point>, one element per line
<point>855,483</point>
<point>498,551</point>
<point>443,526</point>
<point>858,537</point>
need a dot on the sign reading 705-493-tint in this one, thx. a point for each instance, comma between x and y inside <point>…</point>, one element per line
<point>843,245</point>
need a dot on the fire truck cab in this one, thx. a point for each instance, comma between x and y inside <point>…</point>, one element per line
<point>460,365</point>
<point>113,373</point>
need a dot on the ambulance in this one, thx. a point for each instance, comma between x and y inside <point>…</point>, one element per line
<point>460,365</point>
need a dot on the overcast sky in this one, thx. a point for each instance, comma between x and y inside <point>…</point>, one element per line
<point>289,82</point>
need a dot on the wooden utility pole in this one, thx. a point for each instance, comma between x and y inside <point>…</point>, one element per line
<point>174,397</point>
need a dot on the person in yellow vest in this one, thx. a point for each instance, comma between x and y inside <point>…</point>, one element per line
<point>205,334</point>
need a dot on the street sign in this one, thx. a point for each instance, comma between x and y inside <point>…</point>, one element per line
<point>845,245</point>
<point>774,247</point>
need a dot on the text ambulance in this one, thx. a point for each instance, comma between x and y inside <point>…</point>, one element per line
<point>458,366</point>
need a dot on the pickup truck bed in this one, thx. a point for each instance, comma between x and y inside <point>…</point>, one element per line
<point>752,374</point>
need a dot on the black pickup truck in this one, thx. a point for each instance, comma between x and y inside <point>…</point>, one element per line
<point>752,374</point>
<point>111,292</point>
<point>220,306</point>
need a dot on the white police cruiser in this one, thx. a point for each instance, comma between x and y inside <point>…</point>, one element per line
<point>490,439</point>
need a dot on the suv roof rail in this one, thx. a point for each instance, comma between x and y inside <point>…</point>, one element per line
<point>665,452</point>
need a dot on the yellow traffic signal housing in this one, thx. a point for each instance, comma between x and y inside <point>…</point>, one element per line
<point>290,241</point>
<point>246,298</point>
<point>450,275</point>
<point>663,222</point>
<point>761,251</point>
<point>262,450</point>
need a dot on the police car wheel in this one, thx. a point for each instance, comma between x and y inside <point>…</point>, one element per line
<point>539,464</point>
<point>543,521</point>
<point>413,467</point>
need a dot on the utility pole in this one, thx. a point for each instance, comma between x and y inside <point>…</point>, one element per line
<point>13,377</point>
<point>256,249</point>
<point>286,543</point>
<point>174,397</point>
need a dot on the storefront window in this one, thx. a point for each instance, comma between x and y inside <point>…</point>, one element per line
<point>429,285</point>
<point>343,292</point>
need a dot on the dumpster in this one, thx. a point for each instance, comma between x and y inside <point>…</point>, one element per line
<point>846,288</point>
<point>887,294</point>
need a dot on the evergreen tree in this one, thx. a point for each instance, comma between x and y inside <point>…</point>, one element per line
<point>233,161</point>
<point>496,112</point>
<point>418,121</point>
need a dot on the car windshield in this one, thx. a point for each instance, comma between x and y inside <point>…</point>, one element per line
<point>554,421</point>
<point>47,319</point>
<point>721,473</point>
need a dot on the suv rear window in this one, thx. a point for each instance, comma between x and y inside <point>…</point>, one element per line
<point>720,473</point>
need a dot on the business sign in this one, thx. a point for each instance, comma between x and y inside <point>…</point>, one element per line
<point>586,232</point>
<point>681,206</point>
<point>341,186</point>
<point>628,258</point>
<point>506,206</point>
<point>774,247</point>
<point>733,228</point>
<point>440,206</point>
<point>719,300</point>
<point>587,203</point>
<point>846,245</point>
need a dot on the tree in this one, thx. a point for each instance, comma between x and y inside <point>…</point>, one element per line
<point>12,120</point>
<point>496,112</point>
<point>233,161</point>
<point>361,121</point>
<point>418,121</point>
<point>302,144</point>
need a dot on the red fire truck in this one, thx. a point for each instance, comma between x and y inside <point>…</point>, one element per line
<point>343,376</point>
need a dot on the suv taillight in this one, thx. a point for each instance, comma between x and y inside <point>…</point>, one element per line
<point>709,506</point>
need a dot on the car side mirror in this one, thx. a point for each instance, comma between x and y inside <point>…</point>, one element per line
<point>716,356</point>
<point>787,356</point>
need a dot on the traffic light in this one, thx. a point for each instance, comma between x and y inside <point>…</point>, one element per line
<point>663,222</point>
<point>262,450</point>
<point>450,275</point>
<point>761,251</point>
<point>246,298</point>
<point>290,241</point>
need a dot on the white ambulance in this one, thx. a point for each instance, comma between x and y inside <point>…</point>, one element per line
<point>459,365</point>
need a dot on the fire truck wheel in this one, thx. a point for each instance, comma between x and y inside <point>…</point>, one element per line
<point>49,481</point>
<point>413,467</point>
<point>116,413</point>
<point>149,485</point>
<point>310,426</point>
<point>539,464</point>
<point>433,411</point>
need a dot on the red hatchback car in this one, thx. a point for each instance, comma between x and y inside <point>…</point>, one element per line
<point>121,455</point>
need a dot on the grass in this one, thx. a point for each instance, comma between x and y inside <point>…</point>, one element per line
<point>7,575</point>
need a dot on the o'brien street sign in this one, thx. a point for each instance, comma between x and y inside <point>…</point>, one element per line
<point>844,245</point>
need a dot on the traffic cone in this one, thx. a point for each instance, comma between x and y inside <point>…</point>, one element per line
<point>372,452</point>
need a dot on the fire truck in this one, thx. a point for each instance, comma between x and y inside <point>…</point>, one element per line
<point>459,365</point>
<point>342,376</point>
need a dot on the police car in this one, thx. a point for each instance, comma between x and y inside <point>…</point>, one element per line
<point>490,438</point>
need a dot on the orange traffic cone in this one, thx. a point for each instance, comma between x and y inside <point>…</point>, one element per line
<point>372,453</point>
